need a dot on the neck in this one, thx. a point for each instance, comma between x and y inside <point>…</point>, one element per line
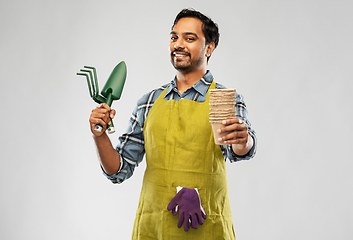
<point>187,80</point>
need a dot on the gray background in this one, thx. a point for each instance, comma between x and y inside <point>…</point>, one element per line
<point>292,60</point>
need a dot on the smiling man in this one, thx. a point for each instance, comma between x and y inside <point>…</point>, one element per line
<point>185,181</point>
<point>188,46</point>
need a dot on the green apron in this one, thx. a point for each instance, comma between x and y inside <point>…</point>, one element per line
<point>180,151</point>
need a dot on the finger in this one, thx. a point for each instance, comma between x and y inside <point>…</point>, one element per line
<point>194,221</point>
<point>175,211</point>
<point>181,219</point>
<point>106,118</point>
<point>102,123</point>
<point>235,135</point>
<point>112,113</point>
<point>100,110</point>
<point>100,113</point>
<point>200,219</point>
<point>236,141</point>
<point>104,110</point>
<point>239,135</point>
<point>232,121</point>
<point>233,125</point>
<point>104,105</point>
<point>239,138</point>
<point>186,222</point>
<point>100,116</point>
<point>172,204</point>
<point>97,120</point>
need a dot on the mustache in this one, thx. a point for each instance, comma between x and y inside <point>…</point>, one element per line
<point>179,51</point>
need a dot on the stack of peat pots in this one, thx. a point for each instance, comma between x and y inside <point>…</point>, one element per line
<point>222,103</point>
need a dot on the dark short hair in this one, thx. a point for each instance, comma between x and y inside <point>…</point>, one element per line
<point>209,28</point>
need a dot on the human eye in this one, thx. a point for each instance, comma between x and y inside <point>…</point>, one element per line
<point>190,38</point>
<point>173,38</point>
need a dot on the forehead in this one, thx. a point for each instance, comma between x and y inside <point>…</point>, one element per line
<point>188,25</point>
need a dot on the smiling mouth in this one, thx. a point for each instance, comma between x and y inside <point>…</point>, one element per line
<point>179,57</point>
<point>179,54</point>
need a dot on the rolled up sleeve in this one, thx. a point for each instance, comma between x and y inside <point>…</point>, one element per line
<point>242,113</point>
<point>130,148</point>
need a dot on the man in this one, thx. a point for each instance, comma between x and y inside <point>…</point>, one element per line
<point>171,126</point>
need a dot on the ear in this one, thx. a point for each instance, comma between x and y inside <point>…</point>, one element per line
<point>209,49</point>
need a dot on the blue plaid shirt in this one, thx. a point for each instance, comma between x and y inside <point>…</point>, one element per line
<point>131,144</point>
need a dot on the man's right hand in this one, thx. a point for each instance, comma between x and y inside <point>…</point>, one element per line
<point>102,115</point>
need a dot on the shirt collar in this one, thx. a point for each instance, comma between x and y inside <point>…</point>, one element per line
<point>201,86</point>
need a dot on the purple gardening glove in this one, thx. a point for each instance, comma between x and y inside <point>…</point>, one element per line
<point>188,203</point>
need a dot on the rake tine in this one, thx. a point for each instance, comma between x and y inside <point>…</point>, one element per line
<point>88,83</point>
<point>95,93</point>
<point>95,84</point>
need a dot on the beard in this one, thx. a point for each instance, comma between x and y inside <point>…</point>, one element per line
<point>186,66</point>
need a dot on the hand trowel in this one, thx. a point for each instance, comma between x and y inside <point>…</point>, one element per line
<point>111,91</point>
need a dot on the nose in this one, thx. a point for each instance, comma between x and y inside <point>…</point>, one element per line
<point>179,44</point>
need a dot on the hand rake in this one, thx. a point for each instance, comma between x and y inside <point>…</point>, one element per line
<point>111,91</point>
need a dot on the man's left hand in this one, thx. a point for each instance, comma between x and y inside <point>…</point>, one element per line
<point>238,132</point>
<point>238,136</point>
